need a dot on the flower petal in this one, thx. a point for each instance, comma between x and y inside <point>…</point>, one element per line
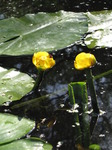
<point>84,60</point>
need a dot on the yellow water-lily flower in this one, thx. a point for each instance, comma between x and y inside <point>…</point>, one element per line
<point>43,60</point>
<point>84,60</point>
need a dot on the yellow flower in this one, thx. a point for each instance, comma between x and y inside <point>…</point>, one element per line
<point>43,60</point>
<point>84,60</point>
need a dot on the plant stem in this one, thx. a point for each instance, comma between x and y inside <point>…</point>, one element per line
<point>103,74</point>
<point>77,129</point>
<point>92,90</point>
<point>38,80</point>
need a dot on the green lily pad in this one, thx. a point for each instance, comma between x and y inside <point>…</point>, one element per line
<point>13,127</point>
<point>41,32</point>
<point>14,85</point>
<point>27,144</point>
<point>99,29</point>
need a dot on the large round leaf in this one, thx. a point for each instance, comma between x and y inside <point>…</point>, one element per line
<point>99,30</point>
<point>41,32</point>
<point>13,127</point>
<point>27,144</point>
<point>13,85</point>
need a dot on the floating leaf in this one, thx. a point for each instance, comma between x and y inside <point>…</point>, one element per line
<point>27,144</point>
<point>99,29</point>
<point>13,127</point>
<point>41,32</point>
<point>13,85</point>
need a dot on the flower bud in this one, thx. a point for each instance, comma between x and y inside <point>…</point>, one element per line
<point>43,60</point>
<point>84,60</point>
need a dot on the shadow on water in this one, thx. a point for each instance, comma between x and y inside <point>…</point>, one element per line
<point>60,132</point>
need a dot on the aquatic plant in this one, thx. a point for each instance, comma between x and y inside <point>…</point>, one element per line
<point>84,61</point>
<point>47,31</point>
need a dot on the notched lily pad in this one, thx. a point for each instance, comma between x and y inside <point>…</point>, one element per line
<point>41,32</point>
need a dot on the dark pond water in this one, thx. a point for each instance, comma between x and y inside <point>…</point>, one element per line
<point>60,135</point>
<point>21,7</point>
